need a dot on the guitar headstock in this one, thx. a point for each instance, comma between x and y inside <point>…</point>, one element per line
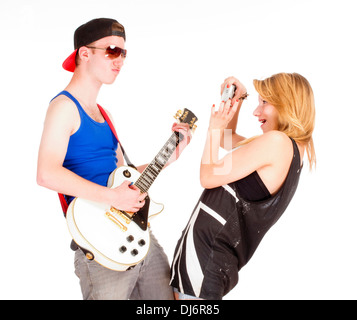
<point>186,116</point>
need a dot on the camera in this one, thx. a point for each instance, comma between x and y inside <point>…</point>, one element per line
<point>228,93</point>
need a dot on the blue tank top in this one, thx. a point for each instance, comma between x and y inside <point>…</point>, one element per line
<point>91,151</point>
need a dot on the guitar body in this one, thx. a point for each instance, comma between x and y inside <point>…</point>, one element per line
<point>114,238</point>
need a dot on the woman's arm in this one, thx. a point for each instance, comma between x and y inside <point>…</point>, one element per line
<point>231,134</point>
<point>269,154</point>
<point>264,154</point>
<point>210,163</point>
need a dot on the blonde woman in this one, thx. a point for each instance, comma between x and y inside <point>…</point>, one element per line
<point>247,190</point>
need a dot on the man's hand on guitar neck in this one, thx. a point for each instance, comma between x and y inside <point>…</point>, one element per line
<point>184,129</point>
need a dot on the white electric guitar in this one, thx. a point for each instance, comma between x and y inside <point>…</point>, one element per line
<point>117,239</point>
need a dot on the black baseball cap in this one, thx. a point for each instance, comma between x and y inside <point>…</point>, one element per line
<point>92,31</point>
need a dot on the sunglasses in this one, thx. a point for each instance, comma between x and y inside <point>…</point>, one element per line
<point>112,52</point>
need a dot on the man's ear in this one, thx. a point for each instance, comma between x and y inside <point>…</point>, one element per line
<point>83,53</point>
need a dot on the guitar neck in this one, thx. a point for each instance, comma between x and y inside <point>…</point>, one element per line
<point>151,172</point>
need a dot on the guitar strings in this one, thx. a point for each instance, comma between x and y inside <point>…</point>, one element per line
<point>154,168</point>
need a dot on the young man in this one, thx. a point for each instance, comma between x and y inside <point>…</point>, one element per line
<point>78,151</point>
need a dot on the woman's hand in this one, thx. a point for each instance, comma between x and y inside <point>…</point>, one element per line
<point>220,119</point>
<point>240,92</point>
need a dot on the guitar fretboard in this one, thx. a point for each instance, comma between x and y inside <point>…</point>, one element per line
<point>151,172</point>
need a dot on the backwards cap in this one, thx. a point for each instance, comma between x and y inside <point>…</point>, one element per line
<point>92,31</point>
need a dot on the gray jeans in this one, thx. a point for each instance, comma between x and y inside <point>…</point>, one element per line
<point>149,280</point>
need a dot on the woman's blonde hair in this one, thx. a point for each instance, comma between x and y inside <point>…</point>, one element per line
<point>292,96</point>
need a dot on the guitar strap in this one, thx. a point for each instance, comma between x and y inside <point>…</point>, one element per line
<point>62,199</point>
<point>106,117</point>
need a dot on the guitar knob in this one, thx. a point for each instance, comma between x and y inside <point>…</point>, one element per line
<point>141,243</point>
<point>134,252</point>
<point>122,249</point>
<point>130,238</point>
<point>126,173</point>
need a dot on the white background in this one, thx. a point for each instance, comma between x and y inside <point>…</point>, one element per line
<point>179,52</point>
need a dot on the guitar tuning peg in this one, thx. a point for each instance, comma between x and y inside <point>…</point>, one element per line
<point>178,114</point>
<point>194,128</point>
<point>192,121</point>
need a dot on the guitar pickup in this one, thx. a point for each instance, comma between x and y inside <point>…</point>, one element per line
<point>116,221</point>
<point>122,214</point>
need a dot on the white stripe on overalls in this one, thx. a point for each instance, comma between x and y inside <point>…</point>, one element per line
<point>192,262</point>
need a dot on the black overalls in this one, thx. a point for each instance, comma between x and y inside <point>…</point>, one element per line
<point>224,231</point>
